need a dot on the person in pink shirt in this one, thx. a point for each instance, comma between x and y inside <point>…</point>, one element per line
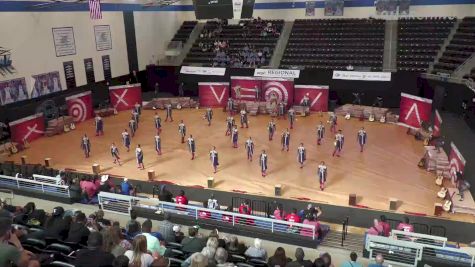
<point>279,213</point>
<point>376,229</point>
<point>293,217</point>
<point>385,225</point>
<point>310,220</point>
<point>89,187</point>
<point>405,226</point>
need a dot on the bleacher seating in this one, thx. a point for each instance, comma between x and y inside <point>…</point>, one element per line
<point>461,47</point>
<point>471,74</point>
<point>335,44</point>
<point>184,31</point>
<point>419,40</point>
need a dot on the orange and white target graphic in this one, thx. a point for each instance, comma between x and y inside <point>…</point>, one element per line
<point>80,106</point>
<point>281,89</point>
<point>456,162</point>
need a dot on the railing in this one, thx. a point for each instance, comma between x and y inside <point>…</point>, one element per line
<point>26,184</point>
<point>401,253</point>
<point>420,238</point>
<point>46,179</point>
<point>344,231</point>
<point>123,204</point>
<point>7,195</point>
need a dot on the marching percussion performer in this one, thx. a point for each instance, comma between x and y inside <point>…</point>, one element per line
<point>209,115</point>
<point>281,110</point>
<point>158,144</point>
<point>362,138</point>
<point>133,127</point>
<point>301,155</point>
<point>86,145</point>
<point>263,163</point>
<point>333,122</point>
<point>126,139</point>
<point>191,146</point>
<point>139,157</point>
<point>99,125</point>
<point>322,174</point>
<point>229,125</point>
<point>138,108</point>
<point>182,131</point>
<point>339,141</point>
<point>135,117</point>
<point>169,112</point>
<point>271,129</point>
<point>249,148</point>
<point>115,153</point>
<point>230,106</point>
<point>291,114</point>
<point>244,119</point>
<point>305,100</point>
<point>235,136</point>
<point>285,140</point>
<point>158,122</point>
<point>213,156</point>
<point>320,133</point>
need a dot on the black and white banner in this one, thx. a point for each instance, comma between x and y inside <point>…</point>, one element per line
<point>89,67</point>
<point>361,75</point>
<point>69,74</point>
<point>106,66</point>
<point>277,73</point>
<point>202,71</point>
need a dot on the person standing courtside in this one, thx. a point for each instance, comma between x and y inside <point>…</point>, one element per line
<point>86,145</point>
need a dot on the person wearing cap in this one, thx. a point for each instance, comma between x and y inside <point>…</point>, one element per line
<point>13,254</point>
<point>104,184</point>
<point>178,234</point>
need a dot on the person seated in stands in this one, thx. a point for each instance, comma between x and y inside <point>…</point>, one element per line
<point>30,215</point>
<point>89,188</point>
<point>310,220</point>
<point>319,263</point>
<point>101,220</point>
<point>212,203</point>
<point>78,232</point>
<point>379,260</point>
<point>327,259</point>
<point>208,251</point>
<point>138,256</point>
<point>214,233</point>
<point>376,229</point>
<point>133,226</point>
<point>75,190</point>
<point>153,244</point>
<point>278,259</point>
<point>121,261</point>
<point>126,188</point>
<point>94,255</point>
<point>244,208</point>
<point>193,242</point>
<point>56,226</point>
<point>181,199</point>
<point>299,259</point>
<point>166,228</point>
<point>234,247</point>
<point>11,251</point>
<point>164,194</point>
<point>198,260</point>
<point>256,251</point>
<point>203,214</point>
<point>106,185</point>
<point>221,257</point>
<point>293,217</point>
<point>178,234</point>
<point>385,225</point>
<point>352,262</point>
<point>405,226</point>
<point>279,213</point>
<point>112,238</point>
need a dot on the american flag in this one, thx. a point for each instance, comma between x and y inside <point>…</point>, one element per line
<point>95,9</point>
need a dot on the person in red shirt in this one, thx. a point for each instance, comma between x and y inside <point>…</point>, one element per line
<point>181,198</point>
<point>244,208</point>
<point>405,226</point>
<point>385,225</point>
<point>293,217</point>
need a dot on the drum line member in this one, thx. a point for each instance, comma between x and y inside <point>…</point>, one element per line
<point>333,122</point>
<point>229,125</point>
<point>291,114</point>
<point>126,139</point>
<point>209,115</point>
<point>285,140</point>
<point>99,125</point>
<point>132,127</point>
<point>244,119</point>
<point>235,136</point>
<point>281,110</point>
<point>301,155</point>
<point>213,156</point>
<point>158,144</point>
<point>135,117</point>
<point>139,157</point>
<point>191,146</point>
<point>138,108</point>
<point>320,133</point>
<point>305,100</point>
<point>322,174</point>
<point>249,148</point>
<point>169,112</point>
<point>271,127</point>
<point>115,153</point>
<point>182,131</point>
<point>362,137</point>
<point>230,106</point>
<point>158,122</point>
<point>263,163</point>
<point>339,141</point>
<point>86,145</point>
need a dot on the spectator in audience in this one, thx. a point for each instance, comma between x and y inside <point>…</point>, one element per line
<point>278,259</point>
<point>192,243</point>
<point>212,203</point>
<point>181,198</point>
<point>166,228</point>
<point>198,260</point>
<point>105,185</point>
<point>56,226</point>
<point>235,247</point>
<point>153,245</point>
<point>352,262</point>
<point>113,241</point>
<point>133,226</point>
<point>138,256</point>
<point>293,217</point>
<point>164,194</point>
<point>279,213</point>
<point>161,262</point>
<point>214,233</point>
<point>93,255</point>
<point>221,258</point>
<point>299,259</point>
<point>78,232</point>
<point>179,235</point>
<point>327,259</point>
<point>30,215</point>
<point>378,261</point>
<point>245,208</point>
<point>385,225</point>
<point>121,261</point>
<point>310,220</point>
<point>126,187</point>
<point>319,263</point>
<point>376,229</point>
<point>405,226</point>
<point>256,251</point>
<point>89,188</point>
<point>101,220</point>
<point>13,253</point>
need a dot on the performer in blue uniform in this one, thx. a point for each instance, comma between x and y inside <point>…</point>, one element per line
<point>285,140</point>
<point>301,155</point>
<point>133,127</point>
<point>339,141</point>
<point>115,153</point>
<point>333,122</point>
<point>138,108</point>
<point>249,148</point>
<point>291,117</point>
<point>263,163</point>
<point>209,115</point>
<point>281,110</point>
<point>235,136</point>
<point>169,112</point>
<point>213,156</point>
<point>182,131</point>
<point>322,174</point>
<point>361,138</point>
<point>320,133</point>
<point>126,139</point>
<point>229,125</point>
<point>99,125</point>
<point>158,144</point>
<point>158,122</point>
<point>191,146</point>
<point>271,129</point>
<point>244,119</point>
<point>136,117</point>
<point>139,157</point>
<point>86,145</point>
<point>230,106</point>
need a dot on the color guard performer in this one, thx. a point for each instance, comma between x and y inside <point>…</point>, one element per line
<point>213,156</point>
<point>244,119</point>
<point>158,122</point>
<point>99,125</point>
<point>339,141</point>
<point>263,163</point>
<point>169,112</point>
<point>86,145</point>
<point>322,174</point>
<point>132,127</point>
<point>281,110</point>
<point>191,146</point>
<point>305,100</point>
<point>235,136</point>
<point>135,117</point>
<point>320,133</point>
<point>139,157</point>
<point>361,138</point>
<point>291,114</point>
<point>209,115</point>
<point>115,153</point>
<point>182,131</point>
<point>249,148</point>
<point>126,139</point>
<point>230,106</point>
<point>271,129</point>
<point>138,108</point>
<point>333,122</point>
<point>285,140</point>
<point>301,155</point>
<point>158,144</point>
<point>229,125</point>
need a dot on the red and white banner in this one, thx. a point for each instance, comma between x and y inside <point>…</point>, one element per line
<point>456,162</point>
<point>246,88</point>
<point>414,110</point>
<point>29,128</point>
<point>213,95</point>
<point>124,97</point>
<point>437,124</point>
<point>282,88</point>
<point>318,95</point>
<point>80,106</point>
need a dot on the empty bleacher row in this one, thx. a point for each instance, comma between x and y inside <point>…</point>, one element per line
<point>184,31</point>
<point>335,44</point>
<point>461,47</point>
<point>419,40</point>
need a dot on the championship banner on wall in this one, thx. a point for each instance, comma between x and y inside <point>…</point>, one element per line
<point>414,110</point>
<point>282,89</point>
<point>456,162</point>
<point>437,124</point>
<point>318,95</point>
<point>124,97</point>
<point>27,129</point>
<point>13,90</point>
<point>213,95</point>
<point>246,88</point>
<point>80,106</point>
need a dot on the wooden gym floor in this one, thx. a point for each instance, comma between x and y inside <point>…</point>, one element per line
<point>386,169</point>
